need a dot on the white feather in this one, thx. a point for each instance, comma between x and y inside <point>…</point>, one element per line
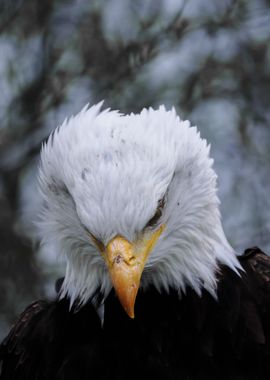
<point>105,172</point>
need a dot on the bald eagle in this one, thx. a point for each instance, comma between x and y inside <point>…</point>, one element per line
<point>130,201</point>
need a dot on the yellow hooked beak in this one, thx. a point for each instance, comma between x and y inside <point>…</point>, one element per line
<point>126,261</point>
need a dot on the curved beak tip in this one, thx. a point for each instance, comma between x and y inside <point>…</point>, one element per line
<point>130,313</point>
<point>127,297</point>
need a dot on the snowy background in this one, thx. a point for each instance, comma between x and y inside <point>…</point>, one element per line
<point>208,58</point>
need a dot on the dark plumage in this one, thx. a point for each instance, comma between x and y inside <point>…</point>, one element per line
<point>192,338</point>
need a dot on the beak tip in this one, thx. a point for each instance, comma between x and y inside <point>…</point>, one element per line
<point>129,309</point>
<point>131,315</point>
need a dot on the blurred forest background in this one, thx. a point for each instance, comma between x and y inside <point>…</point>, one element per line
<point>208,58</point>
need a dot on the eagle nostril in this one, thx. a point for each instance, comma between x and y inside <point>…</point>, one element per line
<point>118,259</point>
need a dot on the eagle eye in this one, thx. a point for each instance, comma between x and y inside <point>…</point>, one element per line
<point>153,221</point>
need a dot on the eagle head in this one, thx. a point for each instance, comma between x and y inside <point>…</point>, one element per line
<point>130,201</point>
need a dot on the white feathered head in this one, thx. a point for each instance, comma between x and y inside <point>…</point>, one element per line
<point>130,200</point>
